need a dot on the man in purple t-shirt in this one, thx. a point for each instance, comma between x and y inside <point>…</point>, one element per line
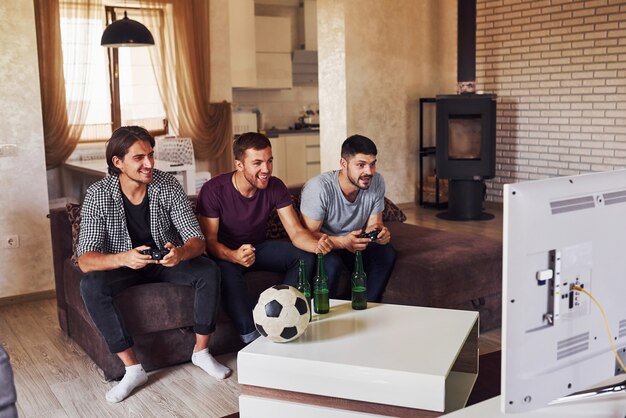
<point>234,208</point>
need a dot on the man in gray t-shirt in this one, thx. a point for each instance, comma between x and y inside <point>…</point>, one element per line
<point>345,203</point>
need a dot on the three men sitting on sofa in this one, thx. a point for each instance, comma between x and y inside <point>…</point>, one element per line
<point>138,209</point>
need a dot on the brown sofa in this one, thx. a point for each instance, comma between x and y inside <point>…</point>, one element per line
<point>433,268</point>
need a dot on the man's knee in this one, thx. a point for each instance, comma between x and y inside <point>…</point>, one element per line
<point>231,274</point>
<point>384,254</point>
<point>205,270</point>
<point>92,284</point>
<point>390,253</point>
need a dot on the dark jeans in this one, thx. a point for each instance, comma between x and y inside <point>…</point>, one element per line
<point>378,261</point>
<point>271,255</point>
<point>98,289</point>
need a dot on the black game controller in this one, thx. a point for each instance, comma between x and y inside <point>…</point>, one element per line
<point>156,253</point>
<point>372,235</point>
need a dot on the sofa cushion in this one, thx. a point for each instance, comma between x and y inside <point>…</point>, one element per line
<point>392,213</point>
<point>73,214</point>
<point>275,228</point>
<point>444,269</point>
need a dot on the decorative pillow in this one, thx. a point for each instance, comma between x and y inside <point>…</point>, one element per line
<point>275,228</point>
<point>73,215</point>
<point>392,212</point>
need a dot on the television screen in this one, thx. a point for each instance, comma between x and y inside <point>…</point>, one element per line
<point>564,239</point>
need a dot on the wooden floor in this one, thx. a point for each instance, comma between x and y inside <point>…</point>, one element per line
<point>54,377</point>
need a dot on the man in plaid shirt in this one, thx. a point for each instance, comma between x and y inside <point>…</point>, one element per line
<point>138,208</point>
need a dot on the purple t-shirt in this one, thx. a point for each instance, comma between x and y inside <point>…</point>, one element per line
<point>243,220</point>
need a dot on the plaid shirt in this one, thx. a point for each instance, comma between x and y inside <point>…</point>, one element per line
<point>103,220</point>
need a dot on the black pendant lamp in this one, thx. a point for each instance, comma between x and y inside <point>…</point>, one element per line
<point>126,32</point>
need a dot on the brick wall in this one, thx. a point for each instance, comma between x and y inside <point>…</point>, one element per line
<point>559,70</point>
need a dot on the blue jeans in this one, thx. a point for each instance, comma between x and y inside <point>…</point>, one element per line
<point>271,255</point>
<point>98,289</point>
<point>378,261</point>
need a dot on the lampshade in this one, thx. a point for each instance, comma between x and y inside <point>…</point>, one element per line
<point>126,32</point>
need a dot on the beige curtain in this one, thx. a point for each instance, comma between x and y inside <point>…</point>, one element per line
<point>182,39</point>
<point>63,121</point>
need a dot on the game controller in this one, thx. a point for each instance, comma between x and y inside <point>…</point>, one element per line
<point>156,253</point>
<point>372,235</point>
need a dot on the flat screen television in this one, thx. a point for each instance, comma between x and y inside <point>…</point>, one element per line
<point>560,233</point>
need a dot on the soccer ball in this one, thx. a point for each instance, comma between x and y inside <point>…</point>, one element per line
<point>281,314</point>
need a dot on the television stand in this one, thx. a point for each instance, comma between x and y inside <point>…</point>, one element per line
<point>600,402</point>
<point>465,200</point>
<point>594,392</point>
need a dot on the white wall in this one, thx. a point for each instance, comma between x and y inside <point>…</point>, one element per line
<point>24,199</point>
<point>376,59</point>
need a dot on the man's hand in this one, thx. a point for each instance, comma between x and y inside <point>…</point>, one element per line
<point>135,260</point>
<point>244,255</point>
<point>353,241</point>
<point>324,245</point>
<point>173,257</point>
<point>384,236</point>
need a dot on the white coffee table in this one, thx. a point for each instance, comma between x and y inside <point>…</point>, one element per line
<point>389,360</point>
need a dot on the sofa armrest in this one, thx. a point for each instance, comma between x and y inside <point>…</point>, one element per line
<point>61,233</point>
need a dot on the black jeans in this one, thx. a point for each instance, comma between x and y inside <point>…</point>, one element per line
<point>378,262</point>
<point>271,255</point>
<point>98,289</point>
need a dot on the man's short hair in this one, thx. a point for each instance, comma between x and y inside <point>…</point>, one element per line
<point>249,140</point>
<point>357,144</point>
<point>121,140</point>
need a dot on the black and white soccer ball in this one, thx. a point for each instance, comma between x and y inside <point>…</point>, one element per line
<point>281,314</point>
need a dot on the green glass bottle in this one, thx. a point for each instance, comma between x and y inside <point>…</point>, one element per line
<point>304,286</point>
<point>321,303</point>
<point>359,283</point>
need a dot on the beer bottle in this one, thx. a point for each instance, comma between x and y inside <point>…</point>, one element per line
<point>359,283</point>
<point>321,303</point>
<point>304,286</point>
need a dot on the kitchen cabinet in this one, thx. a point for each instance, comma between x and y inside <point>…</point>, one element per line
<point>296,157</point>
<point>273,52</point>
<point>273,34</point>
<point>274,70</point>
<point>310,25</point>
<point>243,70</point>
<point>312,156</point>
<point>260,48</point>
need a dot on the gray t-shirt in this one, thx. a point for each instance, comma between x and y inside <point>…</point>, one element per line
<point>322,200</point>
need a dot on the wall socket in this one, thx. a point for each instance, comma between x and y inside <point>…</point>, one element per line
<point>11,241</point>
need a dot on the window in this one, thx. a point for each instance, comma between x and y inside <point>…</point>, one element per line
<point>121,83</point>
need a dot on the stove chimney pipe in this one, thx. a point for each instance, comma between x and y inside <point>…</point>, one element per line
<point>466,44</point>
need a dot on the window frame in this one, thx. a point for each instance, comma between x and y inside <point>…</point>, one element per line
<point>114,81</point>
